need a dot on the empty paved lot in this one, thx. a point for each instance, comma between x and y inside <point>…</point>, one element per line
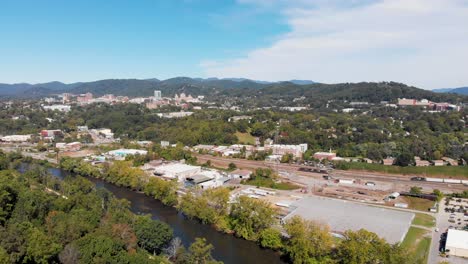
<point>389,224</point>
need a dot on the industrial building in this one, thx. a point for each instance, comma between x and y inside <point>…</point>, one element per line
<point>240,174</point>
<point>177,171</point>
<point>16,138</point>
<point>73,146</point>
<point>457,243</point>
<point>392,225</point>
<point>206,179</point>
<point>122,153</point>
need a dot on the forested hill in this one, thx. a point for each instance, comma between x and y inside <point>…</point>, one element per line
<point>317,92</point>
<point>129,87</point>
<point>243,89</point>
<point>459,90</point>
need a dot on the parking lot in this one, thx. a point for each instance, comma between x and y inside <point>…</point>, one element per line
<point>452,214</point>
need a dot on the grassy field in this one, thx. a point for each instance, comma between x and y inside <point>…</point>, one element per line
<point>419,203</point>
<point>445,171</point>
<point>245,138</point>
<point>418,243</point>
<point>424,220</point>
<point>269,183</point>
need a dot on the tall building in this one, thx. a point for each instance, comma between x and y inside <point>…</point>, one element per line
<point>157,95</point>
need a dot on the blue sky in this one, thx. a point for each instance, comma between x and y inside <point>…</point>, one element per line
<point>419,42</point>
<point>88,40</point>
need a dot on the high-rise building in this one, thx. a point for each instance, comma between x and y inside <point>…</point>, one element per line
<point>157,95</point>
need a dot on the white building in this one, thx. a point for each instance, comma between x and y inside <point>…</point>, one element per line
<point>457,243</point>
<point>82,128</point>
<point>206,179</point>
<point>16,138</point>
<point>177,171</point>
<point>175,114</point>
<point>106,132</point>
<point>240,174</point>
<point>295,150</point>
<point>157,95</point>
<point>61,108</point>
<point>294,108</point>
<point>122,153</point>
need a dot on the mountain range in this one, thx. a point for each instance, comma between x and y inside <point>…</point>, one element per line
<point>459,90</point>
<point>130,87</point>
<point>232,88</point>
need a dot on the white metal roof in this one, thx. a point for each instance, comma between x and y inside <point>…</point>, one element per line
<point>457,239</point>
<point>177,168</point>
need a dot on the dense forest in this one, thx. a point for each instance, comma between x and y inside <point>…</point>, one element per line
<point>46,220</point>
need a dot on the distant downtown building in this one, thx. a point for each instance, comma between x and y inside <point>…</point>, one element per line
<point>157,95</point>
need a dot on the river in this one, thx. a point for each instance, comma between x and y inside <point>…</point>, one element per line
<point>227,248</point>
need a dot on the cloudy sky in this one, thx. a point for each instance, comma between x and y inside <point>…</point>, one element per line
<point>419,42</point>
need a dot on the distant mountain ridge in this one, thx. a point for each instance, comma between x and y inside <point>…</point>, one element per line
<point>233,88</point>
<point>459,90</point>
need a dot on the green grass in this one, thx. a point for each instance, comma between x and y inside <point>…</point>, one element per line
<point>419,203</point>
<point>245,138</point>
<point>424,220</point>
<point>269,183</point>
<point>447,171</point>
<point>417,243</point>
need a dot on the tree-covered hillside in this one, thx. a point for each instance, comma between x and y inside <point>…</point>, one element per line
<point>244,91</point>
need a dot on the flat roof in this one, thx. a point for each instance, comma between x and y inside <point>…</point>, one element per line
<point>177,168</point>
<point>197,178</point>
<point>341,215</point>
<point>457,239</point>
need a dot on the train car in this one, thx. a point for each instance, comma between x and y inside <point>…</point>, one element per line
<point>452,181</point>
<point>434,180</point>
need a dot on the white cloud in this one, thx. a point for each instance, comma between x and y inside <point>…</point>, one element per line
<point>419,42</point>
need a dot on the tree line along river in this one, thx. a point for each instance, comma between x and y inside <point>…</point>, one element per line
<point>227,248</point>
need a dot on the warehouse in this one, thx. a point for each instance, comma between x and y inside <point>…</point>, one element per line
<point>457,243</point>
<point>177,171</point>
<point>122,153</point>
<point>16,138</point>
<point>392,225</point>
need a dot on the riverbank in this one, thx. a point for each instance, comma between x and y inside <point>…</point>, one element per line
<point>252,219</point>
<point>227,248</point>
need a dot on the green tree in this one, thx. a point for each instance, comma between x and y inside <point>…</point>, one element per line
<point>4,257</point>
<point>366,247</point>
<point>152,235</point>
<point>439,194</point>
<point>308,240</point>
<point>232,166</point>
<point>270,238</point>
<point>249,217</point>
<point>287,158</point>
<point>41,248</point>
<point>8,198</point>
<point>200,252</point>
<point>416,190</point>
<point>405,159</point>
<point>100,248</point>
